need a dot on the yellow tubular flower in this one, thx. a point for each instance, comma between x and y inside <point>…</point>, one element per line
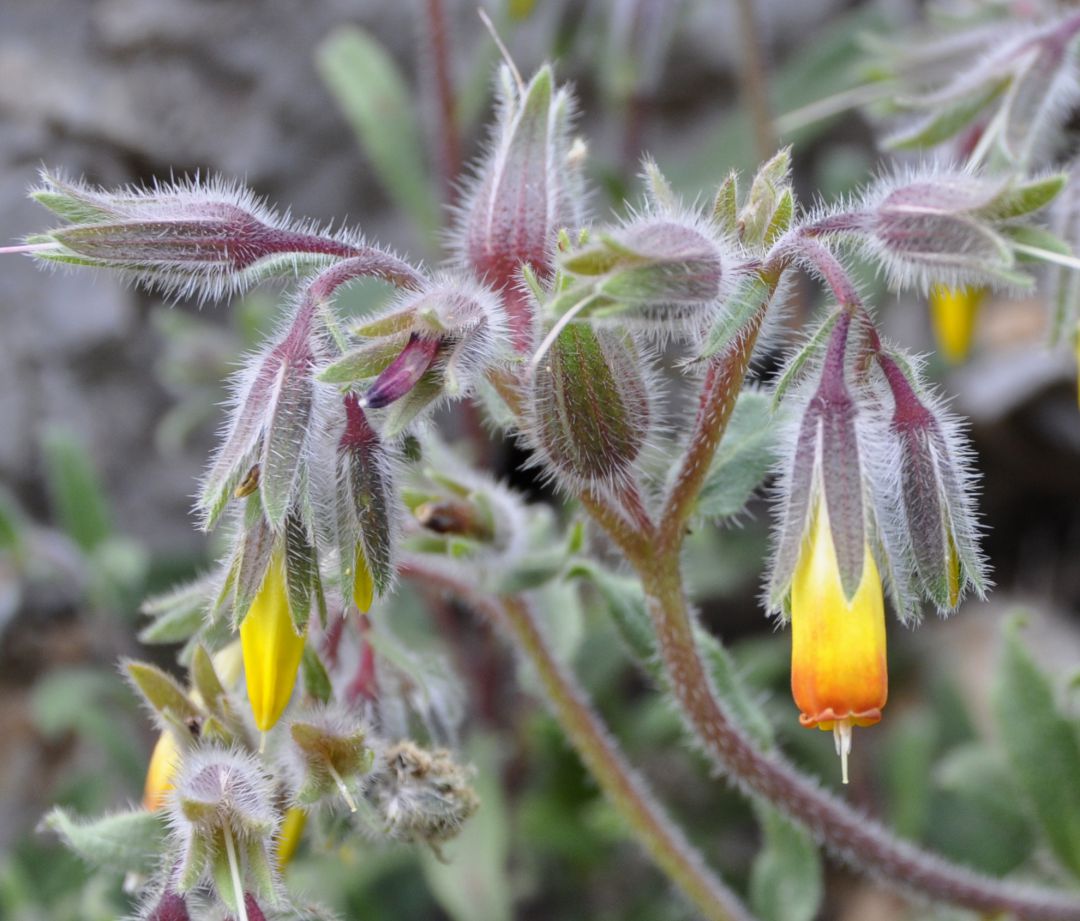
<point>164,761</point>
<point>952,315</point>
<point>292,830</point>
<point>271,648</point>
<point>363,583</point>
<point>839,676</point>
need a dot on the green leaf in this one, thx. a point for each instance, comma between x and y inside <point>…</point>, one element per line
<point>810,348</point>
<point>949,121</point>
<point>1041,745</point>
<point>205,679</point>
<point>625,603</point>
<point>781,217</point>
<point>1037,238</point>
<point>374,98</point>
<point>160,690</point>
<point>744,459</point>
<point>786,879</point>
<point>316,680</point>
<point>369,360</point>
<point>738,315</point>
<point>127,842</point>
<point>1023,199</point>
<point>907,757</point>
<point>726,206</point>
<point>980,816</point>
<point>74,489</point>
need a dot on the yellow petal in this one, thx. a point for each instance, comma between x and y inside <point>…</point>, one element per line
<point>952,315</point>
<point>363,583</point>
<point>164,762</point>
<point>838,663</point>
<point>271,649</point>
<point>292,830</point>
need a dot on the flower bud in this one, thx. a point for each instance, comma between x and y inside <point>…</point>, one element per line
<point>839,673</point>
<point>366,528</point>
<point>526,189</point>
<point>170,907</point>
<point>292,831</point>
<point>952,315</point>
<point>222,811</point>
<point>272,648</point>
<point>951,228</point>
<point>430,344</point>
<point>935,495</point>
<point>269,429</point>
<point>423,796</point>
<point>205,239</point>
<point>590,404</point>
<point>333,751</point>
<point>661,269</point>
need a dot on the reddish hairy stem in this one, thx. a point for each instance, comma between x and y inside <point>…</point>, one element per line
<point>627,791</point>
<point>847,833</point>
<point>449,142</point>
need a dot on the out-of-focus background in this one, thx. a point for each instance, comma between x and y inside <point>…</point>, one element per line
<point>108,405</point>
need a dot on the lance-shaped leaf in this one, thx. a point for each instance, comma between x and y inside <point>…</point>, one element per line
<point>125,842</point>
<point>161,691</point>
<point>770,192</point>
<point>237,452</point>
<point>1042,748</point>
<point>301,570</point>
<point>288,421</point>
<point>205,680</point>
<point>179,613</point>
<point>590,404</point>
<point>255,547</point>
<point>317,683</point>
<point>364,495</point>
<point>726,205</point>
<point>739,317</point>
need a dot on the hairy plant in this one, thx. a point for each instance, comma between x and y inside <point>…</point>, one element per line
<point>333,481</point>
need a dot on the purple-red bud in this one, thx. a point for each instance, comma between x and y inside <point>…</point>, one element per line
<point>171,907</point>
<point>404,372</point>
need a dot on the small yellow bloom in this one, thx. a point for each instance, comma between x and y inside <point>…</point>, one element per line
<point>363,583</point>
<point>271,648</point>
<point>164,761</point>
<point>839,677</point>
<point>292,830</point>
<point>952,315</point>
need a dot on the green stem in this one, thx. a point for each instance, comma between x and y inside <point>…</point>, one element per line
<point>628,792</point>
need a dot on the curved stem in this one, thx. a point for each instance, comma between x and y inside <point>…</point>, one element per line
<point>627,790</point>
<point>847,833</point>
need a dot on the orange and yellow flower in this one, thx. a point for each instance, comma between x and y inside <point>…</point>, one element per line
<point>839,675</point>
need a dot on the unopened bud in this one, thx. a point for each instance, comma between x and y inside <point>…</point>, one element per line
<point>526,190</point>
<point>170,907</point>
<point>590,404</point>
<point>206,239</point>
<point>403,373</point>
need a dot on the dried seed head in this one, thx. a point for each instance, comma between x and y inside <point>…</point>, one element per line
<point>332,749</point>
<point>422,796</point>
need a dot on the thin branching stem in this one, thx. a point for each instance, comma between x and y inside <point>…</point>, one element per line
<point>625,788</point>
<point>449,141</point>
<point>755,80</point>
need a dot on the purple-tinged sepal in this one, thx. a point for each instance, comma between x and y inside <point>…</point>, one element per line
<point>936,489</point>
<point>364,502</point>
<point>826,468</point>
<point>950,227</point>
<point>203,239</point>
<point>432,344</point>
<point>527,188</point>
